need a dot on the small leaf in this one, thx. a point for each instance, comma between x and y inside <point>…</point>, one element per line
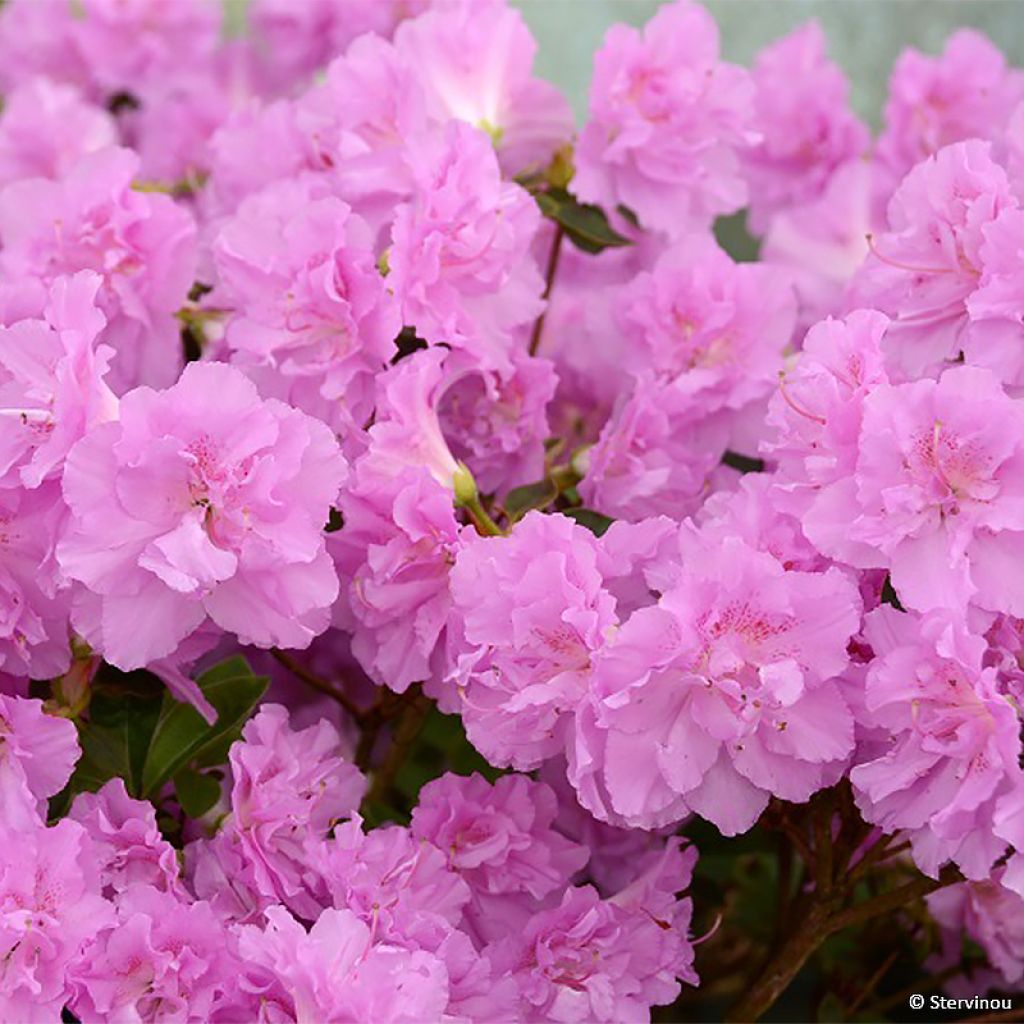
<point>889,595</point>
<point>596,522</point>
<point>196,792</point>
<point>182,736</point>
<point>733,235</point>
<point>335,521</point>
<point>586,226</point>
<point>407,342</point>
<point>521,500</point>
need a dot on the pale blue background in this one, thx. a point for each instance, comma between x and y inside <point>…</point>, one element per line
<point>864,35</point>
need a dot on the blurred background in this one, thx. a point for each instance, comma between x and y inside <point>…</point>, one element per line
<point>864,35</point>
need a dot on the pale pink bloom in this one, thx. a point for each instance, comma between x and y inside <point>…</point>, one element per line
<point>164,958</point>
<point>290,787</point>
<point>719,696</point>
<point>36,39</point>
<point>297,268</point>
<point>202,501</point>
<point>801,109</point>
<point>336,971</point>
<point>922,271</point>
<point>37,755</point>
<point>967,92</point>
<point>50,909</point>
<point>474,59</point>
<point>394,555</point>
<point>716,328</point>
<point>656,454</point>
<point>954,741</point>
<point>126,841</point>
<point>936,493</point>
<point>988,913</point>
<point>52,389</point>
<point>460,261</point>
<point>34,631</point>
<point>589,959</point>
<point>498,837</point>
<point>529,612</point>
<point>821,243</point>
<point>46,127</point>
<point>141,244</point>
<point>667,123</point>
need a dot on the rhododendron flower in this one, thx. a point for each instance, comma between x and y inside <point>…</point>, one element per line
<point>589,959</point>
<point>655,455</point>
<point>161,957</point>
<point>667,123</point>
<point>299,271</point>
<point>34,630</point>
<point>498,838</point>
<point>720,695</point>
<point>46,127</point>
<point>337,972</point>
<point>126,842</point>
<point>51,381</point>
<point>807,128</point>
<point>528,613</point>
<point>140,243</point>
<point>924,268</point>
<point>967,92</point>
<point>37,755</point>
<point>936,489</point>
<point>474,60</point>
<point>202,501</point>
<point>50,908</point>
<point>460,261</point>
<point>716,328</point>
<point>955,741</point>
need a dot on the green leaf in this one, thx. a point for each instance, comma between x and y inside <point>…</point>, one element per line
<point>743,463</point>
<point>595,522</point>
<point>197,792</point>
<point>182,736</point>
<point>733,235</point>
<point>585,226</point>
<point>521,500</point>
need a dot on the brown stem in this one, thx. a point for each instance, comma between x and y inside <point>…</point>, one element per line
<point>872,983</point>
<point>314,681</point>
<point>894,899</point>
<point>549,280</point>
<point>406,731</point>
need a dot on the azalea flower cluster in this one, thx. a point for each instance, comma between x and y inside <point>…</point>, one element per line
<point>340,339</point>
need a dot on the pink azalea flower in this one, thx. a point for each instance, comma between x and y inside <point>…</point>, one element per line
<point>967,92</point>
<point>289,789</point>
<point>720,695</point>
<point>34,631</point>
<point>126,841</point>
<point>202,501</point>
<point>162,958</point>
<point>923,269</point>
<point>715,327</point>
<point>936,493</point>
<point>298,269</point>
<point>497,837</point>
<point>656,454</point>
<point>460,260</point>
<point>141,244</point>
<point>529,612</point>
<point>954,741</point>
<point>802,111</point>
<point>475,60</point>
<point>591,959</point>
<point>337,972</point>
<point>50,909</point>
<point>667,123</point>
<point>46,127</point>
<point>52,389</point>
<point>37,755</point>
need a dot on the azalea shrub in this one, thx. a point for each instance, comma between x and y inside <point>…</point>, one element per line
<point>458,565</point>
